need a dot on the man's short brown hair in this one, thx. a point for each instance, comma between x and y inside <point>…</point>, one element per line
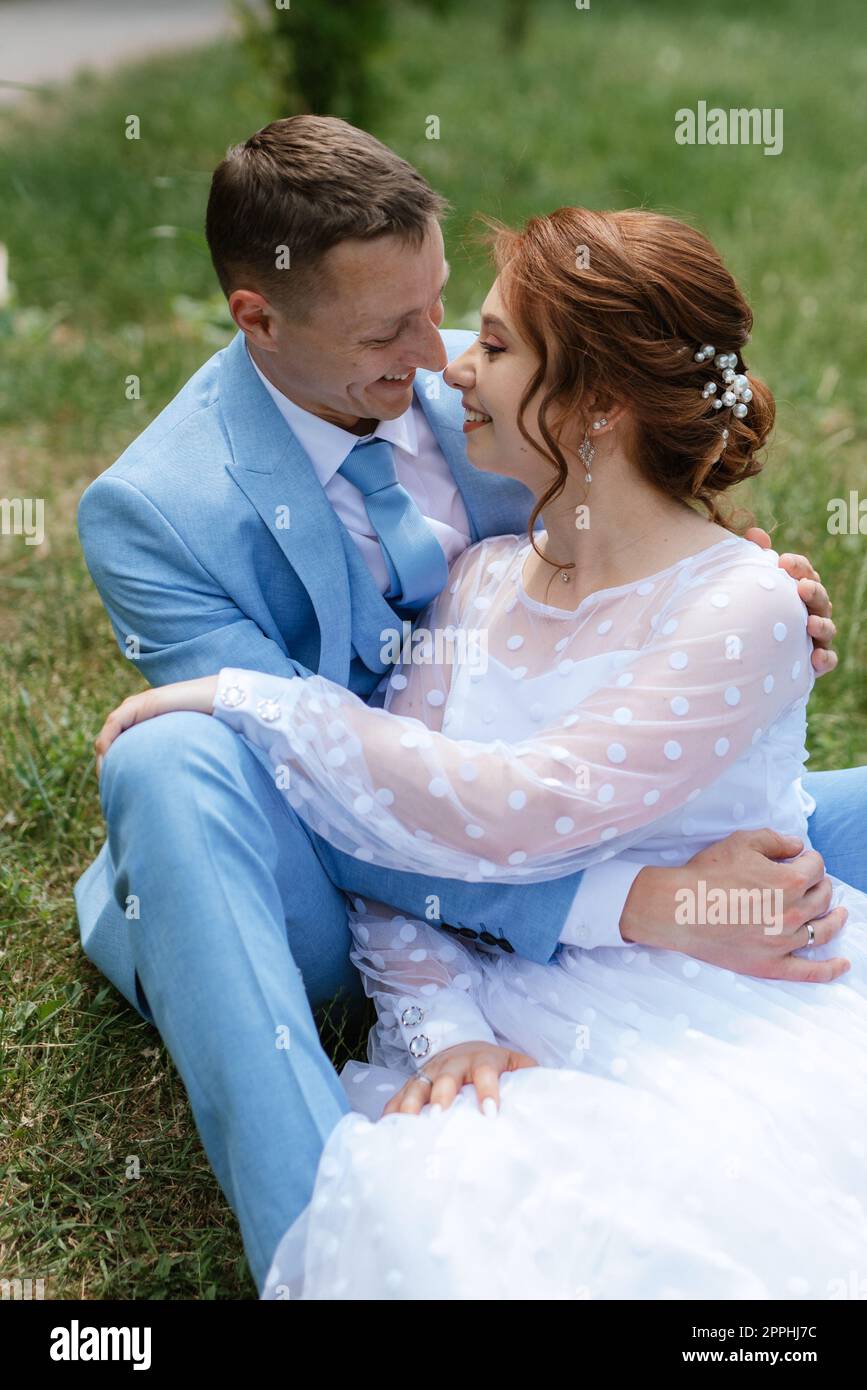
<point>306,183</point>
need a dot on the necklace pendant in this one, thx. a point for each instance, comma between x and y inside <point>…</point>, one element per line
<point>588,477</point>
<point>567,578</point>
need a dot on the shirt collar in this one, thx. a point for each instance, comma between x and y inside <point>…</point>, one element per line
<point>327,445</point>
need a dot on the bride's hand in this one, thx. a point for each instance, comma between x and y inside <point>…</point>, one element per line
<point>197,695</point>
<point>478,1062</point>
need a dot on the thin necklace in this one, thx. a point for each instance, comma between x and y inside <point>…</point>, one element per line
<point>567,578</point>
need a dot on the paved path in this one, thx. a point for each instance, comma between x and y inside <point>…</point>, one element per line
<point>45,41</point>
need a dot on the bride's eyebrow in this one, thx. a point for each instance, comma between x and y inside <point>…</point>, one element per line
<point>491,321</point>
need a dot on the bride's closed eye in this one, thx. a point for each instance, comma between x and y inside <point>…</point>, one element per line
<point>490,348</point>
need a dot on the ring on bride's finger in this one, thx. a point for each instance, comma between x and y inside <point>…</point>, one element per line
<point>422,1075</point>
<point>811,935</point>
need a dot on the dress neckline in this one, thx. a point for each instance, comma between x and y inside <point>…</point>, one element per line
<point>549,610</point>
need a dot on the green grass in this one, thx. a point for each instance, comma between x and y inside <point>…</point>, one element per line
<point>585,113</point>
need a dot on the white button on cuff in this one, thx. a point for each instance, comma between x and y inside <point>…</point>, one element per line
<point>233,696</point>
<point>269,710</point>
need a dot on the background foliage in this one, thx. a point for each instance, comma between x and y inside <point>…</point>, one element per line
<point>112,278</point>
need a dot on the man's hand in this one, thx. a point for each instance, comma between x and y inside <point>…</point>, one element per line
<point>478,1062</point>
<point>813,595</point>
<point>744,863</point>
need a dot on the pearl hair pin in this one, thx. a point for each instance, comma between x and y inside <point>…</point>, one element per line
<point>736,394</point>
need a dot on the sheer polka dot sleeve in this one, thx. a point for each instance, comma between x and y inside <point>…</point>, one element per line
<point>726,654</point>
<point>421,982</point>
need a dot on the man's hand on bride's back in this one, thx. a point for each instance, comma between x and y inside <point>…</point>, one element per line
<point>815,598</point>
<point>478,1063</point>
<point>741,904</point>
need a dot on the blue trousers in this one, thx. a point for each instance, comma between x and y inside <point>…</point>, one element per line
<point>230,915</point>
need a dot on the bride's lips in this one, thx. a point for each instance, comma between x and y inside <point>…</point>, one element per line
<point>472,420</point>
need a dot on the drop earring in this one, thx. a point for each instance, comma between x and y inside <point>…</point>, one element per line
<point>586,453</point>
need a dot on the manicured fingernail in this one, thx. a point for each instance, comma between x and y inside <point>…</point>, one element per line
<point>489,1107</point>
<point>98,763</point>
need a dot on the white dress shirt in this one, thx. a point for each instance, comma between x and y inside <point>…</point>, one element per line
<point>421,467</point>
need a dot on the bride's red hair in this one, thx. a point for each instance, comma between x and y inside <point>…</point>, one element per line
<point>616,304</point>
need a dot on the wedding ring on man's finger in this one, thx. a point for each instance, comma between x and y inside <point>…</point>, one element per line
<point>811,935</point>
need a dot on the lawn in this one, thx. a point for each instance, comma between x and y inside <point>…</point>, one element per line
<point>112,281</point>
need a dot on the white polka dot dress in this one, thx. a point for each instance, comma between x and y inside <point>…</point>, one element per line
<point>651,1153</point>
<point>516,728</point>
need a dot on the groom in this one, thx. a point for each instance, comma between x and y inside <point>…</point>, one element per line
<point>299,499</point>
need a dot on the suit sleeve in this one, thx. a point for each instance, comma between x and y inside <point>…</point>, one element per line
<point>168,614</point>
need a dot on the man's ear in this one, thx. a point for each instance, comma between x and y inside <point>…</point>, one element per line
<point>255,317</point>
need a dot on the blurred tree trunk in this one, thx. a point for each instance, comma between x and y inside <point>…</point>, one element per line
<point>516,23</point>
<point>318,53</point>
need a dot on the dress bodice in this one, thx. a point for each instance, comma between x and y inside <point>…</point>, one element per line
<point>522,742</point>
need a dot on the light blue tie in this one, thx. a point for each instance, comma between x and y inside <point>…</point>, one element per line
<point>416,563</point>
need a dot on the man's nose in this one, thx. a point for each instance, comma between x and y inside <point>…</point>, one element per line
<point>428,350</point>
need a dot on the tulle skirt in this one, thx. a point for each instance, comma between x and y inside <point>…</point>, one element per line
<point>689,1133</point>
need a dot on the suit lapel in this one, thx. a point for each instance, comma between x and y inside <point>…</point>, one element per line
<point>372,614</point>
<point>273,471</point>
<point>447,425</point>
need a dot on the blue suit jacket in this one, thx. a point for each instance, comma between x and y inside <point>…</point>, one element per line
<point>212,544</point>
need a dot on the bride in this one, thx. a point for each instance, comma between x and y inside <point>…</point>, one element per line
<point>631,681</point>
